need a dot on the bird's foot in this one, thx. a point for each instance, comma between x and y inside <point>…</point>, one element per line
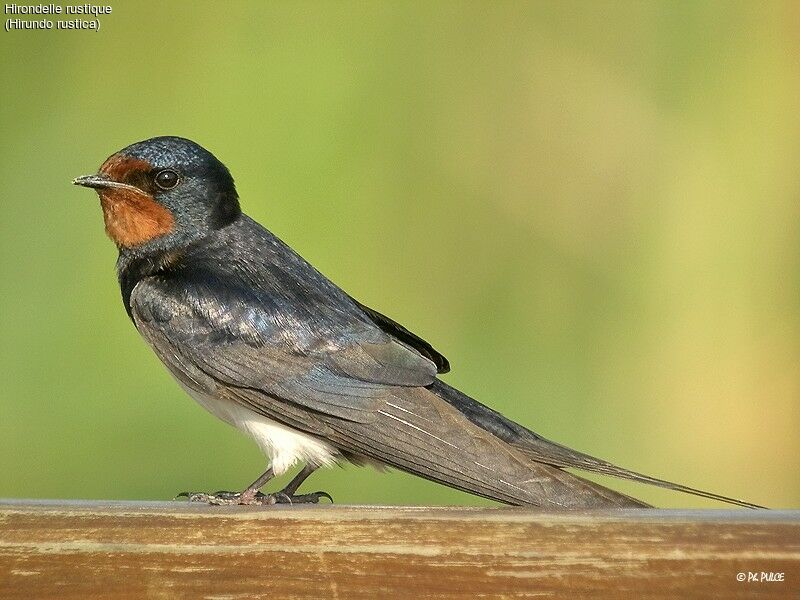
<point>249,498</point>
<point>220,498</point>
<point>312,498</point>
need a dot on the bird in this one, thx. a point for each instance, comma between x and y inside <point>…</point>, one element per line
<point>268,344</point>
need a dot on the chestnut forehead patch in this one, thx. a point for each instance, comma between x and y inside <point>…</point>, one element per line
<point>120,167</point>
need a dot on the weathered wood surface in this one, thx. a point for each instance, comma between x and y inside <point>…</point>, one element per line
<point>110,550</point>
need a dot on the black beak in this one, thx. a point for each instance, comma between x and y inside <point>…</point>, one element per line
<point>101,181</point>
<point>93,181</point>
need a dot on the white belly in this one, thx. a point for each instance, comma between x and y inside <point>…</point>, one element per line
<point>284,445</point>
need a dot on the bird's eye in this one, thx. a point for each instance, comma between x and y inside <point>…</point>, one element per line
<point>167,179</point>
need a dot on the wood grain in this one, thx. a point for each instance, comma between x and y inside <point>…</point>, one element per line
<point>80,550</point>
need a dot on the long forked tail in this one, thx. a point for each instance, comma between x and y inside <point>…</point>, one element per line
<point>542,450</point>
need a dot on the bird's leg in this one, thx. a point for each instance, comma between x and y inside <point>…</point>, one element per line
<point>287,494</point>
<point>252,495</point>
<point>249,495</point>
<point>295,483</point>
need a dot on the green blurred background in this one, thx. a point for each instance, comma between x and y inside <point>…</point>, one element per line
<point>590,208</point>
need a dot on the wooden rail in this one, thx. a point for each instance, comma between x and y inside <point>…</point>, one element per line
<point>85,550</point>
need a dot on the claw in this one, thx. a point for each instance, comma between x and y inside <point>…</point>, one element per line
<point>193,496</point>
<point>312,498</point>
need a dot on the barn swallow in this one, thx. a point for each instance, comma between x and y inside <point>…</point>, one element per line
<point>268,344</point>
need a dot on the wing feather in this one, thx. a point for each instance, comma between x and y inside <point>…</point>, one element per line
<point>346,375</point>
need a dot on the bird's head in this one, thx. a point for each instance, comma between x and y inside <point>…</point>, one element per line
<point>163,193</point>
